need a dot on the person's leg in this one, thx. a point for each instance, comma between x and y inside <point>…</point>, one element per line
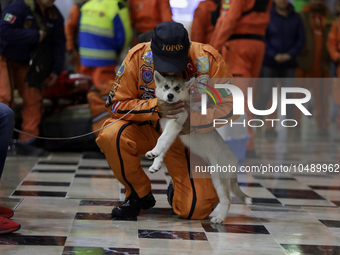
<point>97,98</point>
<point>287,80</point>
<point>239,61</point>
<point>193,198</point>
<point>103,74</point>
<point>6,130</point>
<point>321,90</point>
<point>300,82</point>
<point>264,97</point>
<point>123,143</point>
<point>32,107</point>
<point>5,82</point>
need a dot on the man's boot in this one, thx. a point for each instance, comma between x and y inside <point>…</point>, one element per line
<point>132,207</point>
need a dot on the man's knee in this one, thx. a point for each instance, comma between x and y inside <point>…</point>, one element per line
<point>113,134</point>
<point>196,209</point>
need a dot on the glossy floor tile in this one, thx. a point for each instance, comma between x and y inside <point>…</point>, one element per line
<point>64,201</point>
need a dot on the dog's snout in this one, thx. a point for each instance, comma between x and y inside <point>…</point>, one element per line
<point>170,96</point>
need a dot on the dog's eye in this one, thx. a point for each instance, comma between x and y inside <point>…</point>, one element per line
<point>177,88</point>
<point>167,86</point>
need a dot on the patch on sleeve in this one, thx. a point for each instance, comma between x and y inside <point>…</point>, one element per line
<point>148,58</point>
<point>110,98</point>
<point>146,96</point>
<point>225,92</point>
<point>146,75</point>
<point>191,68</point>
<point>115,107</point>
<point>203,64</point>
<point>10,18</point>
<point>226,5</point>
<point>202,82</point>
<point>121,69</point>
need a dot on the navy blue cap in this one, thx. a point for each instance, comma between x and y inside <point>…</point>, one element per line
<point>170,47</point>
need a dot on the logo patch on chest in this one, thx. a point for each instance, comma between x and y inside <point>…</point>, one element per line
<point>146,75</point>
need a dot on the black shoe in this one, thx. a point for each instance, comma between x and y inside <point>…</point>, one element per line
<point>170,193</point>
<point>132,207</point>
<point>29,149</point>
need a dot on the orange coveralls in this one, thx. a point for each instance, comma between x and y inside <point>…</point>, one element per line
<point>201,28</point>
<point>146,14</point>
<point>71,25</point>
<point>320,91</point>
<point>333,46</point>
<point>239,35</point>
<point>125,141</point>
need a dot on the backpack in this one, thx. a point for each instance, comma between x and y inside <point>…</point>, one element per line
<point>40,63</point>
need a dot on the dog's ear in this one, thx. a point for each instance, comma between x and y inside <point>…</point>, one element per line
<point>158,77</point>
<point>189,83</point>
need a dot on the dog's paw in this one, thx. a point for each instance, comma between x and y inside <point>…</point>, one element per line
<point>249,201</point>
<point>151,155</point>
<point>153,170</point>
<point>156,166</point>
<point>217,220</point>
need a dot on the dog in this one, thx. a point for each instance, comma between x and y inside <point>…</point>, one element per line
<point>209,146</point>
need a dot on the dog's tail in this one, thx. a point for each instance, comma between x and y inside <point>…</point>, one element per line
<point>235,188</point>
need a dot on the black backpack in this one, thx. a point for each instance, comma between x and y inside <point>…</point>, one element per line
<point>41,62</point>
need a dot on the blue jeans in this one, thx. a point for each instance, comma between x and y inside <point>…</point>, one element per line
<point>6,131</point>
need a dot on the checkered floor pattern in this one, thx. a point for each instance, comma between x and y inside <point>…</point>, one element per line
<point>64,203</point>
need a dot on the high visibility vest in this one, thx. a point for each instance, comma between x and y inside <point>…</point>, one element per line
<point>104,31</point>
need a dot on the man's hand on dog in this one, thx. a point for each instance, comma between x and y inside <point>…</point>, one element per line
<point>169,111</point>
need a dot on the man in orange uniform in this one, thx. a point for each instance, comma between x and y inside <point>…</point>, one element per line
<point>170,53</point>
<point>333,46</point>
<point>146,14</point>
<point>71,33</point>
<point>202,28</point>
<point>239,35</point>
<point>314,60</point>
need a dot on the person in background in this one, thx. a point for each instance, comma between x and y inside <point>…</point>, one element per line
<point>333,46</point>
<point>6,131</point>
<point>299,4</point>
<point>145,15</point>
<point>202,27</point>
<point>104,32</point>
<point>71,33</point>
<point>20,35</point>
<point>239,35</point>
<point>314,61</point>
<point>285,38</point>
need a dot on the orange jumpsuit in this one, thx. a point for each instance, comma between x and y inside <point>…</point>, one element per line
<point>201,28</point>
<point>71,26</point>
<point>239,35</point>
<point>320,90</point>
<point>333,46</point>
<point>146,14</point>
<point>125,141</point>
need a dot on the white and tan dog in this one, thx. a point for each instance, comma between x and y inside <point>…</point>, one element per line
<point>209,146</point>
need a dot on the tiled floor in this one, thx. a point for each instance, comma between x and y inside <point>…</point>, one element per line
<point>64,201</point>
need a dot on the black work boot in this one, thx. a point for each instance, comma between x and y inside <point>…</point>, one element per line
<point>132,206</point>
<point>170,192</point>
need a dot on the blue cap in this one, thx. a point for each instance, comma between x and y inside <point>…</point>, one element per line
<point>170,47</point>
